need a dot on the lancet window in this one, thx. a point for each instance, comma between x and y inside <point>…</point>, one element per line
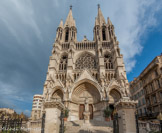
<point>85,61</point>
<point>108,61</point>
<point>103,34</point>
<point>63,62</point>
<point>67,35</point>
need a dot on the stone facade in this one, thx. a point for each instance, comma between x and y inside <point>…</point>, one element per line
<point>137,93</point>
<point>87,69</point>
<point>151,85</point>
<point>7,111</point>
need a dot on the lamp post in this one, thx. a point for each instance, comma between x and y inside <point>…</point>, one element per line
<point>62,122</point>
<point>137,125</point>
<point>159,117</point>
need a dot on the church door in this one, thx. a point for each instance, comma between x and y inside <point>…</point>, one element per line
<point>91,111</point>
<point>81,111</point>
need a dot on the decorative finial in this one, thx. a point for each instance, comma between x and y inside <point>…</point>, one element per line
<point>71,7</point>
<point>98,6</point>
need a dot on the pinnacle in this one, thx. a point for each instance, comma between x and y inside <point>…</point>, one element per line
<point>109,21</point>
<point>100,17</point>
<point>61,23</point>
<point>70,20</point>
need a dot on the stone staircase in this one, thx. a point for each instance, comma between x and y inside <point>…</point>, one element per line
<point>93,127</point>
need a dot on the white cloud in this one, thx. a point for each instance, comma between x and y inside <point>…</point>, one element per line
<point>33,23</point>
<point>131,19</point>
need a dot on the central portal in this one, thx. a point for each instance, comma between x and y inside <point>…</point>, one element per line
<point>86,91</point>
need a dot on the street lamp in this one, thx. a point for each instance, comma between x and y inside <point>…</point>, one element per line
<point>159,117</point>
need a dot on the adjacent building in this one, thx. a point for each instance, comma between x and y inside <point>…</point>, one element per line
<point>152,84</point>
<point>36,108</point>
<point>147,89</point>
<point>7,111</point>
<point>137,91</point>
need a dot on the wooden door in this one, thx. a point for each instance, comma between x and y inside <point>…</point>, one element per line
<point>81,111</point>
<point>91,111</point>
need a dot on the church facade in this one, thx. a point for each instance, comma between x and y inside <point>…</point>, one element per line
<point>80,70</point>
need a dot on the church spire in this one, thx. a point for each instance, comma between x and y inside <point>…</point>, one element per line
<point>109,21</point>
<point>61,24</point>
<point>70,20</point>
<point>100,16</point>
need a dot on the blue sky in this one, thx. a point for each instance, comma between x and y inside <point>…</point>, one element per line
<point>28,29</point>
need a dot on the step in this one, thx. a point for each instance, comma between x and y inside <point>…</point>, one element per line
<point>94,127</point>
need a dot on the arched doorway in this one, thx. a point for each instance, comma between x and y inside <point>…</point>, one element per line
<point>114,96</point>
<point>83,91</point>
<point>57,95</point>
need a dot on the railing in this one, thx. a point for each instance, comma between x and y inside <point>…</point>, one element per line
<point>110,74</point>
<point>65,45</point>
<point>148,126</point>
<point>85,45</point>
<point>148,115</point>
<point>61,76</point>
<point>10,125</point>
<point>106,45</point>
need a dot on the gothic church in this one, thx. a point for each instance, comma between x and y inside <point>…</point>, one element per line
<point>80,70</point>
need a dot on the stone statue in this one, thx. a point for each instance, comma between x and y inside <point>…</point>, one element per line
<point>86,105</point>
<point>86,112</point>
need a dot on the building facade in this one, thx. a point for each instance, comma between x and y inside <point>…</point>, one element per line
<point>152,84</point>
<point>36,107</point>
<point>137,93</point>
<point>81,70</point>
<point>148,86</point>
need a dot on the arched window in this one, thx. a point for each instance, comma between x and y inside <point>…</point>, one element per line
<point>108,61</point>
<point>63,62</point>
<point>60,34</point>
<point>85,61</point>
<point>103,34</point>
<point>66,35</point>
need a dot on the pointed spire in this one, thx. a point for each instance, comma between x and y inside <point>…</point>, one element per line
<point>109,21</point>
<point>69,20</point>
<point>96,22</point>
<point>100,16</point>
<point>61,23</point>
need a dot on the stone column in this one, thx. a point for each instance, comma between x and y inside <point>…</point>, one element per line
<point>126,111</point>
<point>52,119</point>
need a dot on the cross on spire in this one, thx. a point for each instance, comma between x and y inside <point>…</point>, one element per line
<point>98,6</point>
<point>71,7</point>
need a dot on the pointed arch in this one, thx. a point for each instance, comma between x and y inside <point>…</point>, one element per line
<point>85,90</point>
<point>57,94</point>
<point>108,61</point>
<point>104,33</point>
<point>66,34</point>
<point>114,95</point>
<point>85,80</point>
<point>63,61</point>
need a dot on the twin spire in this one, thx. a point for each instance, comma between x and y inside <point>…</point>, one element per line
<point>70,21</point>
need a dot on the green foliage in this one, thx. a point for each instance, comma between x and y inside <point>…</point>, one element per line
<point>66,113</point>
<point>107,112</point>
